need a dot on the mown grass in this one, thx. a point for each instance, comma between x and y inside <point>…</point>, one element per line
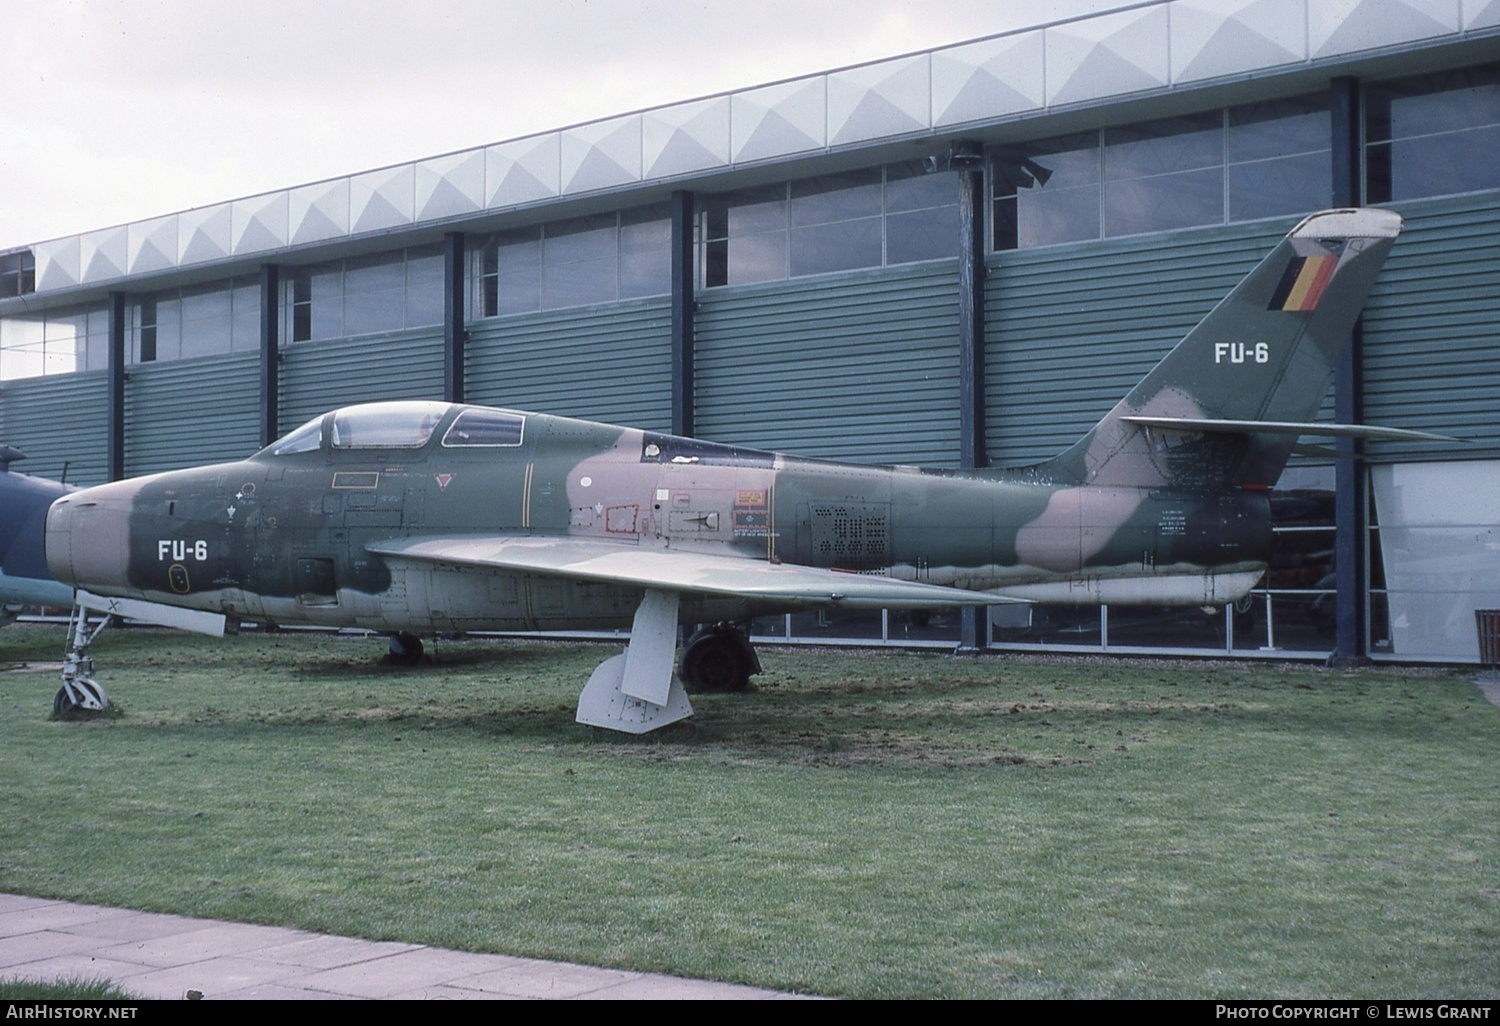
<point>865,824</point>
<point>67,989</point>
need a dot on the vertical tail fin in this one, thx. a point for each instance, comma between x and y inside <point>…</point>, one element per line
<point>1265,353</point>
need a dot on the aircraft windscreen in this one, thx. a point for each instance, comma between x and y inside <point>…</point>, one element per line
<point>386,425</point>
<point>305,439</point>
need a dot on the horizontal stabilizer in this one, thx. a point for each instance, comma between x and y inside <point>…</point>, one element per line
<point>1276,427</point>
<point>701,573</point>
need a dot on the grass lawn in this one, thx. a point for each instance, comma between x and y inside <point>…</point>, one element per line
<point>866,824</point>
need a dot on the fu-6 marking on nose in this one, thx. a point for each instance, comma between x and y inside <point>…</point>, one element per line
<point>178,549</point>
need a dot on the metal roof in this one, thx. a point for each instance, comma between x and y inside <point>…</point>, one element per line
<point>1157,48</point>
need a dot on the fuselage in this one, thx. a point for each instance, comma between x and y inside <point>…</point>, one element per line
<point>283,535</point>
<point>24,578</point>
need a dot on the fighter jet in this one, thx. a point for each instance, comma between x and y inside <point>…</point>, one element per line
<point>419,517</point>
<point>24,579</point>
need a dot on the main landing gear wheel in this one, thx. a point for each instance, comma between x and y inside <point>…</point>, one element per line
<point>406,650</point>
<point>718,658</point>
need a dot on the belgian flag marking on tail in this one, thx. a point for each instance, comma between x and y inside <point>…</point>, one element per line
<point>1303,284</point>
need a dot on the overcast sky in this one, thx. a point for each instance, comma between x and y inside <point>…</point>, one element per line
<point>117,110</point>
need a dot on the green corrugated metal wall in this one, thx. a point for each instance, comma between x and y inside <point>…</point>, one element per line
<point>320,376</point>
<point>186,412</point>
<point>610,363</point>
<point>1070,329</point>
<point>1432,330</point>
<point>59,421</point>
<point>861,367</point>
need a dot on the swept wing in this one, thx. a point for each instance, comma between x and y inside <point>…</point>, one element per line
<point>678,570</point>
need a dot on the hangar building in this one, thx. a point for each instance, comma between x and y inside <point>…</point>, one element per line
<point>777,266</point>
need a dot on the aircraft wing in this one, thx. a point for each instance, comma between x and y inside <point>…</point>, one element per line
<point>679,570</point>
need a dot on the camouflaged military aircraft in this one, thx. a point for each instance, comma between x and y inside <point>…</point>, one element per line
<point>422,517</point>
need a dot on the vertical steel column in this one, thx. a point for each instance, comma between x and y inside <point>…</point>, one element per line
<point>115,428</point>
<point>682,314</point>
<point>971,449</point>
<point>270,353</point>
<point>453,317</point>
<point>1351,524</point>
<point>971,318</point>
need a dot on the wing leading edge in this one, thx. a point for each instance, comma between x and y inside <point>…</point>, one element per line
<point>679,571</point>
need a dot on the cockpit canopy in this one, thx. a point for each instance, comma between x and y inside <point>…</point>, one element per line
<point>403,425</point>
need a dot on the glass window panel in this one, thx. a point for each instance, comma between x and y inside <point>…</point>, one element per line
<point>716,263</point>
<point>1378,173</point>
<point>169,329</point>
<point>206,320</point>
<point>1437,165</point>
<point>96,345</point>
<point>748,212</point>
<point>325,320</point>
<point>829,198</point>
<point>1164,201</point>
<point>424,286</point>
<point>840,246</point>
<point>757,258</point>
<point>245,327</point>
<point>645,252</point>
<point>514,251</point>
<point>1062,163</point>
<point>60,358</point>
<point>424,304</point>
<point>646,227</point>
<point>206,304</point>
<point>1291,185</point>
<point>1438,103</point>
<point>909,187</point>
<point>374,274</point>
<point>645,273</point>
<point>1003,221</point>
<point>518,293</point>
<point>1163,147</point>
<point>22,361</point>
<point>16,332</point>
<point>1279,128</point>
<point>424,263</point>
<point>921,235</point>
<point>578,282</point>
<point>65,327</point>
<point>206,338</point>
<point>366,312</point>
<point>1047,217</point>
<point>583,238</point>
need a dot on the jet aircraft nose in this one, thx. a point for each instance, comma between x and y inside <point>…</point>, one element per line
<point>88,538</point>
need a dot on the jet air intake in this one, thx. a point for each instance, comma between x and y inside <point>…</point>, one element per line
<point>87,538</point>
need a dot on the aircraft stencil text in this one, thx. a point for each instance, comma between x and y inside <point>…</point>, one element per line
<point>1242,352</point>
<point>178,549</point>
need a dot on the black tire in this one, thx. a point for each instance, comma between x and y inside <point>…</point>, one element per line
<point>405,650</point>
<point>63,704</point>
<point>717,662</point>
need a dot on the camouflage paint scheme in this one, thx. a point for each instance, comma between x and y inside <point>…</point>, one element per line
<point>424,516</point>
